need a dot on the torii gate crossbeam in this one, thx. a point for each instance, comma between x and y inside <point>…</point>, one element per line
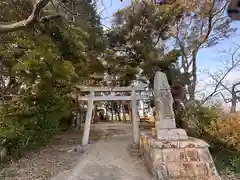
<point>91,98</point>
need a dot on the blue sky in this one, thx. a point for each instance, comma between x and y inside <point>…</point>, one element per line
<point>207,58</point>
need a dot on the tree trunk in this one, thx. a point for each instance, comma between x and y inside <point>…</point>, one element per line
<point>94,116</point>
<point>107,111</point>
<point>234,104</point>
<point>81,118</point>
<point>192,85</point>
<point>73,123</point>
<point>118,109</point>
<point>234,100</point>
<point>77,127</point>
<point>130,111</point>
<point>124,113</point>
<point>112,111</point>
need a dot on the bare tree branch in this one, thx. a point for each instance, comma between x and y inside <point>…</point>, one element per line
<point>219,80</point>
<point>35,16</point>
<point>206,31</point>
<point>234,98</point>
<point>38,5</point>
<point>226,100</point>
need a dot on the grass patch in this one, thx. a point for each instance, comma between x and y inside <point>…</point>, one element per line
<point>226,160</point>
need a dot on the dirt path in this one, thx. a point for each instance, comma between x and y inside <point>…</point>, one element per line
<point>112,159</point>
<point>49,160</point>
<point>109,159</point>
<point>57,156</point>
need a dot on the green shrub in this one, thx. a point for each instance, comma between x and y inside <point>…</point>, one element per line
<point>26,124</point>
<point>213,125</point>
<point>198,118</point>
<point>224,138</point>
<point>221,130</point>
<point>227,130</point>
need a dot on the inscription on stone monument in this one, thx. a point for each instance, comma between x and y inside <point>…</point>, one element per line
<point>163,102</point>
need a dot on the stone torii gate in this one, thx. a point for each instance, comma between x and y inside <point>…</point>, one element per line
<point>171,154</point>
<point>92,97</point>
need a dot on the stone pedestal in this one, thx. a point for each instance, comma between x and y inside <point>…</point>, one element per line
<point>171,134</point>
<point>177,158</point>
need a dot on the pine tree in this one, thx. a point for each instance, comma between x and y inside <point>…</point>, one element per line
<point>137,41</point>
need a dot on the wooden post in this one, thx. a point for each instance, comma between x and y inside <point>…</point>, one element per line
<point>135,120</point>
<point>130,111</point>
<point>87,125</point>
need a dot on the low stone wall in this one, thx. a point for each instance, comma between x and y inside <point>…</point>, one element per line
<point>181,159</point>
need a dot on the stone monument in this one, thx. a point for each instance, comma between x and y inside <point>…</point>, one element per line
<point>172,155</point>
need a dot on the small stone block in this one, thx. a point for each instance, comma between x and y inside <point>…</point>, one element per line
<point>192,154</point>
<point>188,170</point>
<point>167,144</point>
<point>204,154</point>
<point>172,155</point>
<point>171,134</point>
<point>168,155</point>
<point>156,154</point>
<point>201,170</point>
<point>162,172</point>
<point>174,169</point>
<point>193,143</point>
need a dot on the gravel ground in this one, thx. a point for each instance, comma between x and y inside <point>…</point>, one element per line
<point>55,157</point>
<point>230,176</point>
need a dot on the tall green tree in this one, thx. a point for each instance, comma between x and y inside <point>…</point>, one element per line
<point>39,67</point>
<point>137,38</point>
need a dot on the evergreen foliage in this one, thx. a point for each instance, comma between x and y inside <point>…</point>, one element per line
<point>39,67</point>
<point>137,39</point>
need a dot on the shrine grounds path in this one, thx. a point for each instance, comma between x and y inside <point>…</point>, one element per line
<point>111,158</point>
<point>107,157</point>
